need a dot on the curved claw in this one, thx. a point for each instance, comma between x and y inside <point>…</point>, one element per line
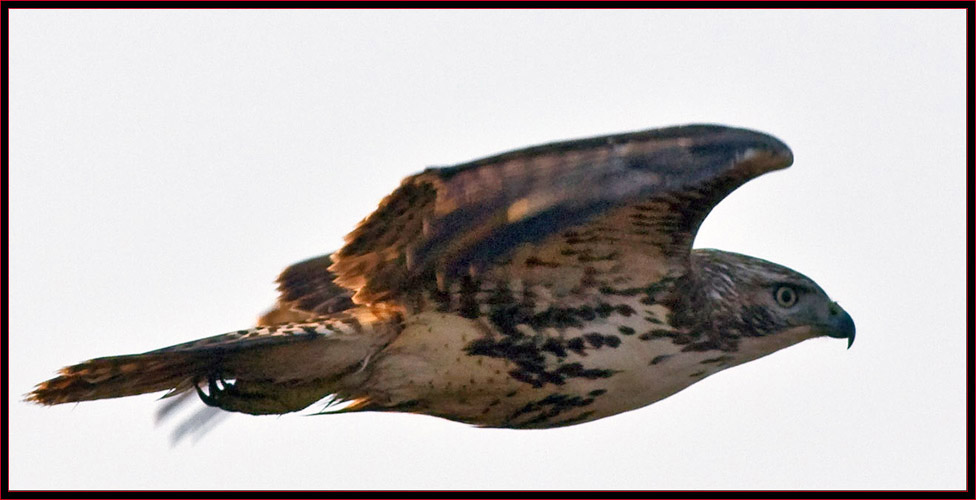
<point>208,399</point>
<point>219,394</point>
<point>255,398</point>
<point>225,395</point>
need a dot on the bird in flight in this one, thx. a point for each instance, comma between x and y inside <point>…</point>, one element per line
<point>538,288</point>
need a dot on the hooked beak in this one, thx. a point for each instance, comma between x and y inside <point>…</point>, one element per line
<point>840,325</point>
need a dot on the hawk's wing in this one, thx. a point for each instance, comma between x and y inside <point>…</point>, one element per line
<point>659,184</point>
<point>307,290</point>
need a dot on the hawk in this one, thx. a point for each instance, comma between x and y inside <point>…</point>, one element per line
<point>538,288</point>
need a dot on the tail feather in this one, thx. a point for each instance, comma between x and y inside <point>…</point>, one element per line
<point>176,368</point>
<point>266,369</point>
<point>118,376</point>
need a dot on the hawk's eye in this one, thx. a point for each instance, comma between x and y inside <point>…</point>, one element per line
<point>786,296</point>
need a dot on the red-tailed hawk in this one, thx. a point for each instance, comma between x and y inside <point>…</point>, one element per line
<point>539,288</point>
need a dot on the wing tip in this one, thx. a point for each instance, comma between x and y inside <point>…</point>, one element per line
<point>768,143</point>
<point>756,151</point>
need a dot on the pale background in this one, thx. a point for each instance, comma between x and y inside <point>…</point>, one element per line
<point>166,165</point>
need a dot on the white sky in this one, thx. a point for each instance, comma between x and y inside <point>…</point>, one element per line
<point>166,165</point>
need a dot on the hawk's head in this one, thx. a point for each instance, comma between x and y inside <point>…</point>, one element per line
<point>742,303</point>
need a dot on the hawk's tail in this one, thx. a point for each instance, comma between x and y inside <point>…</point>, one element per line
<point>268,369</point>
<point>118,376</point>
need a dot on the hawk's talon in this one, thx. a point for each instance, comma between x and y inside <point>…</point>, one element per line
<point>208,399</point>
<point>213,388</point>
<point>224,395</point>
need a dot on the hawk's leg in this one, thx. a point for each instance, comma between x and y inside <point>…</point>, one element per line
<point>258,397</point>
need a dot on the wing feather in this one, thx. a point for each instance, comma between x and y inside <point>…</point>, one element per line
<point>307,290</point>
<point>445,223</point>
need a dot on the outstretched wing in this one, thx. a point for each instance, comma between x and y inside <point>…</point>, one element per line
<point>660,184</point>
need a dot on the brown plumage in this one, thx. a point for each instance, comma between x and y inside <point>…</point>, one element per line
<point>542,287</point>
<point>118,376</point>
